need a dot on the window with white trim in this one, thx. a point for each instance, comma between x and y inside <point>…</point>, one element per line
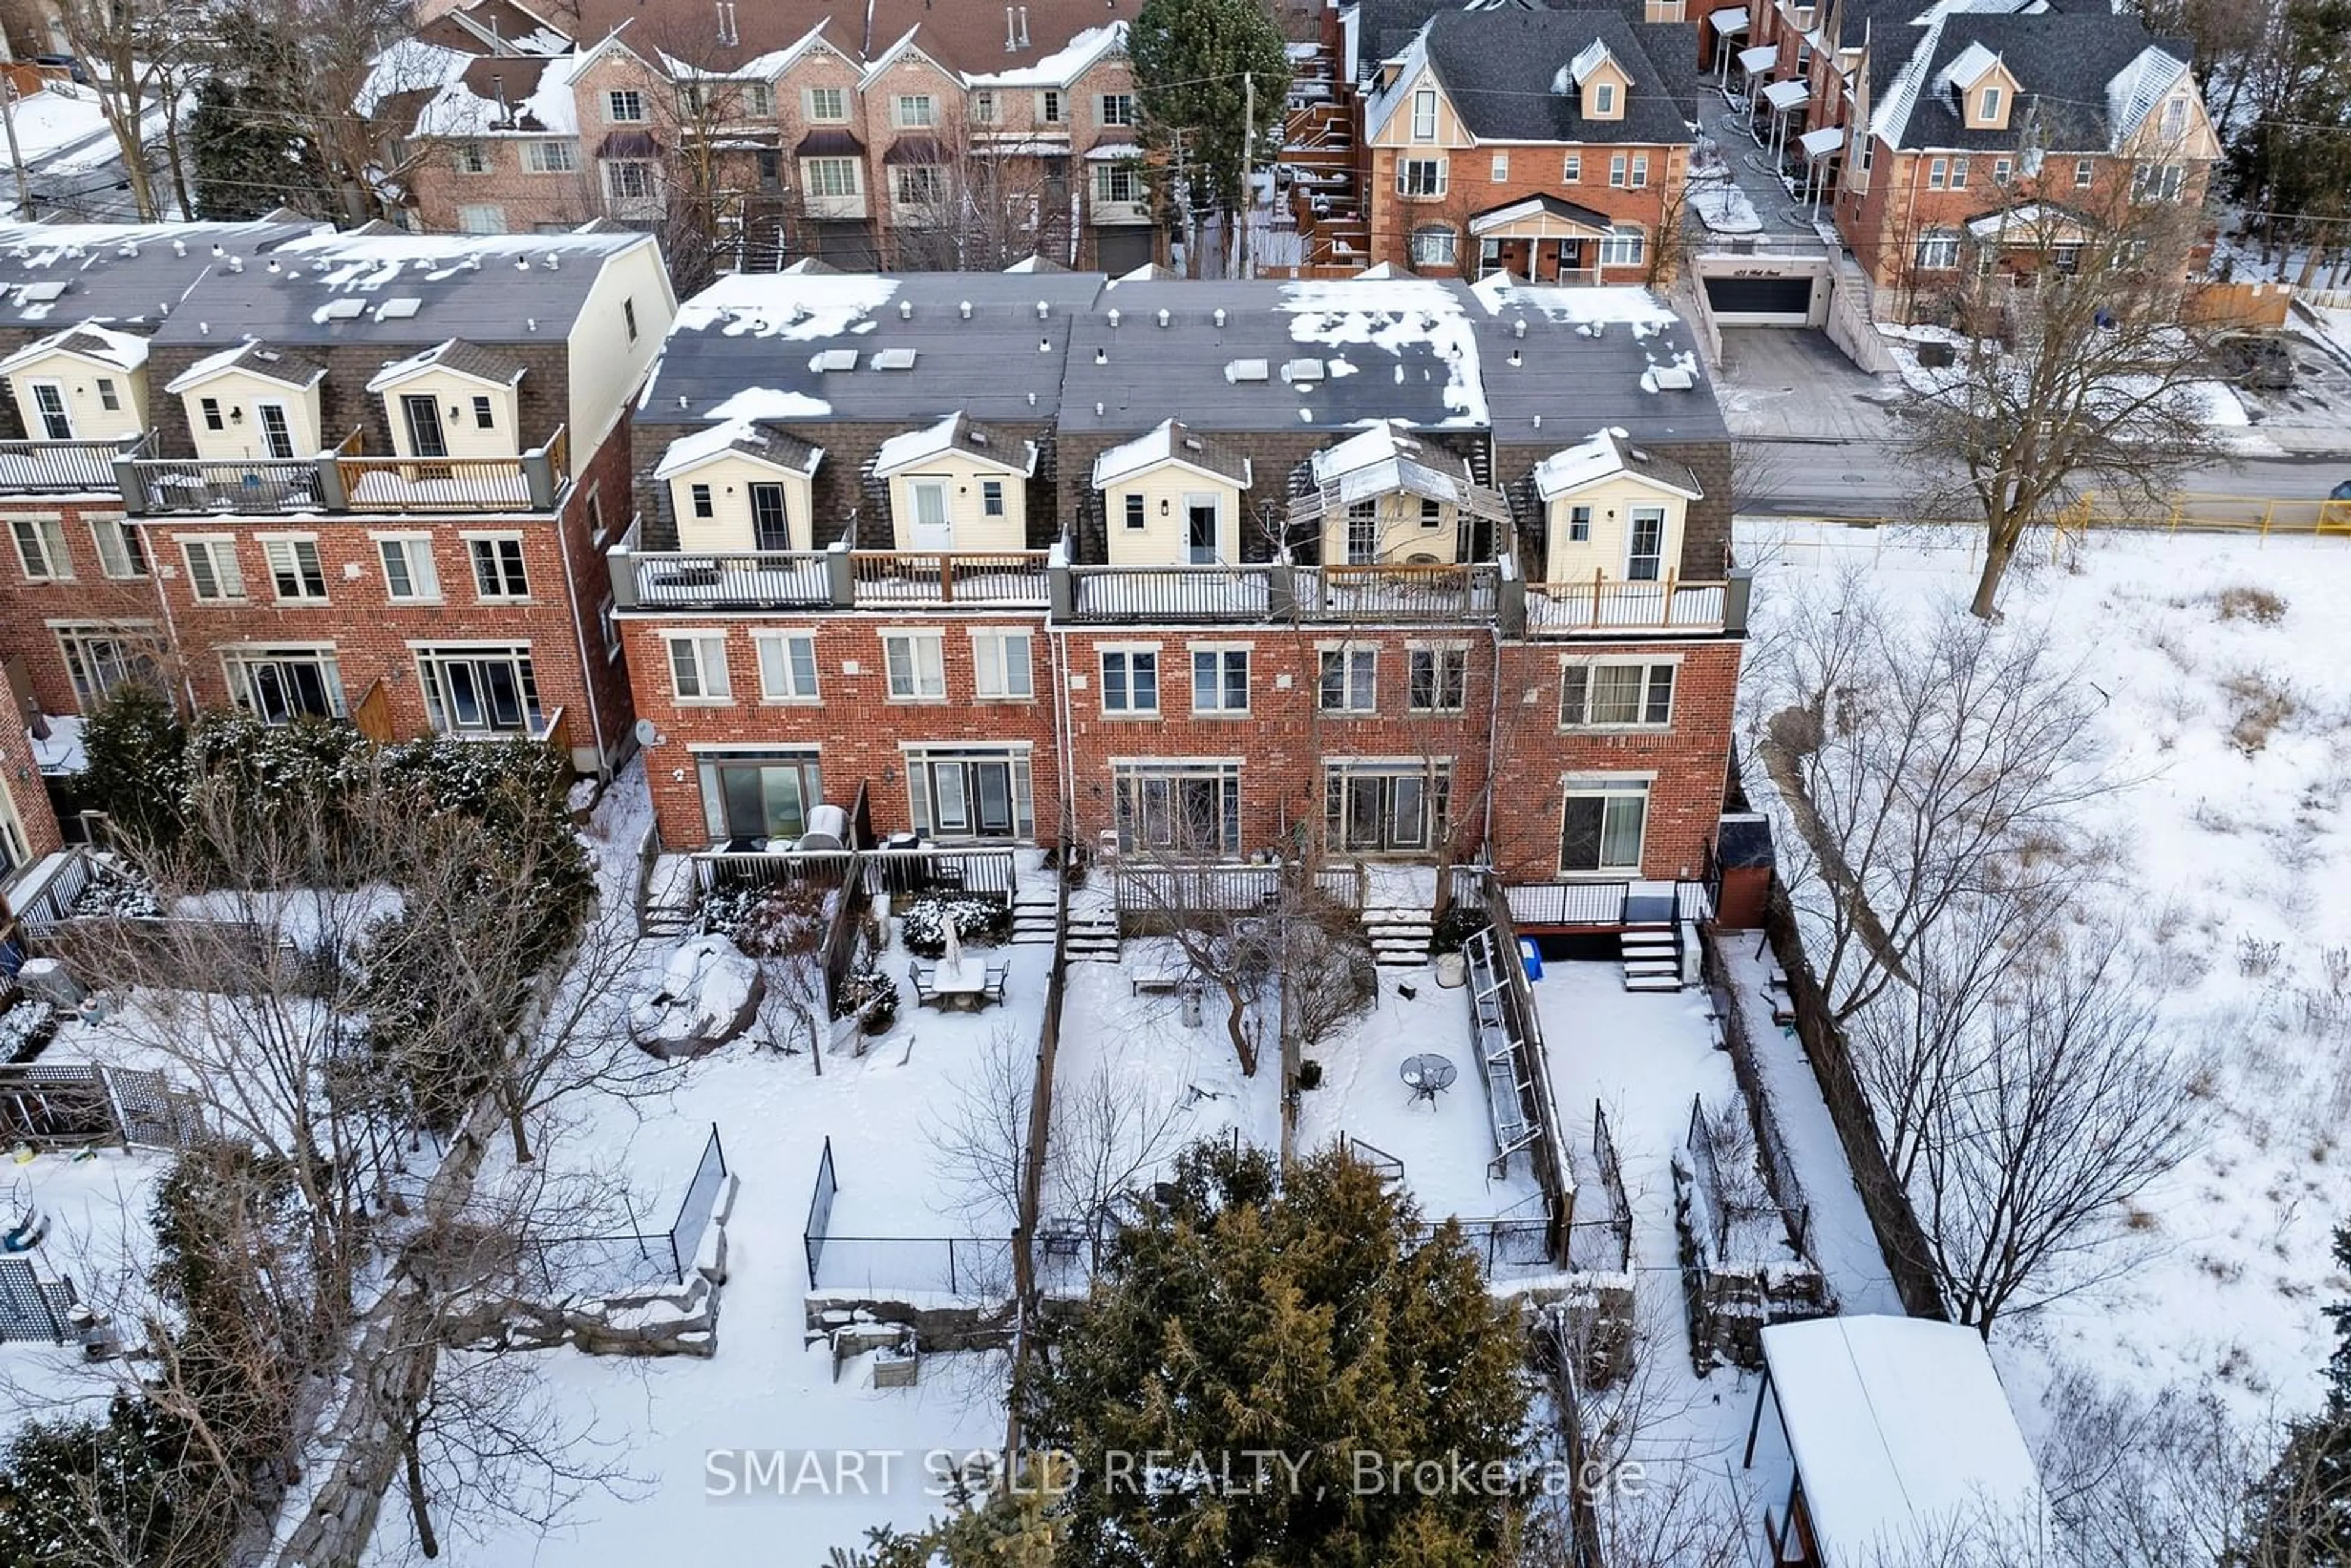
<point>559,155</point>
<point>209,410</point>
<point>1424,115</point>
<point>1133,513</point>
<point>828,105</point>
<point>1627,245</point>
<point>1130,680</point>
<point>1500,169</point>
<point>296,572</point>
<point>484,414</point>
<point>479,689</point>
<point>1000,667</point>
<point>1116,109</point>
<point>409,576</point>
<point>1604,97</point>
<point>101,657</point>
<point>1938,250</point>
<point>1118,183</point>
<point>1049,107</point>
<point>700,500</point>
<point>697,667</point>
<point>2157,182</point>
<point>759,99</point>
<point>625,106</point>
<point>1988,104</point>
<point>213,571</point>
<point>915,109</point>
<point>1350,680</point>
<point>1420,177</point>
<point>1435,246</point>
<point>1640,170</point>
<point>2003,170</point>
<point>915,663</point>
<point>1571,169</point>
<point>278,685</point>
<point>122,552</point>
<point>1193,807</point>
<point>834,177</point>
<point>2086,171</point>
<point>1436,680</point>
<point>1938,171</point>
<point>1385,808</point>
<point>1617,168</point>
<point>41,550</point>
<point>1221,681</point>
<point>472,158</point>
<point>991,497</point>
<point>499,571</point>
<point>1602,821</point>
<point>481,218</point>
<point>1958,173</point>
<point>985,110</point>
<point>107,398</point>
<point>2175,119</point>
<point>1600,695</point>
<point>786,666</point>
<point>1579,524</point>
<point>916,184</point>
<point>628,179</point>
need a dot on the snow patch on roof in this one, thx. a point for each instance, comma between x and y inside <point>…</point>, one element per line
<point>1592,55</point>
<point>410,65</point>
<point>1588,461</point>
<point>1394,315</point>
<point>771,402</point>
<point>123,351</point>
<point>796,306</point>
<point>1643,310</point>
<point>1064,65</point>
<point>1152,448</point>
<point>693,451</point>
<point>2138,87</point>
<point>1966,68</point>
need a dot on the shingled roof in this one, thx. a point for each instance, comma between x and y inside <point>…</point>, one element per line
<point>2067,67</point>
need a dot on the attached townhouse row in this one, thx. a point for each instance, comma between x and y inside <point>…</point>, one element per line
<point>368,475</point>
<point>1368,568</point>
<point>872,136</point>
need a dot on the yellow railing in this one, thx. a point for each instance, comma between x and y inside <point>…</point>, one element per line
<point>2262,515</point>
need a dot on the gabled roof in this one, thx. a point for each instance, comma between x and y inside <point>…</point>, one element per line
<point>955,434</point>
<point>1968,67</point>
<point>457,356</point>
<point>1063,66</point>
<point>967,35</point>
<point>100,345</point>
<point>254,357</point>
<point>739,438</point>
<point>1169,442</point>
<point>1611,454</point>
<point>504,27</point>
<point>1543,204</point>
<point>2085,79</point>
<point>1517,76</point>
<point>2038,221</point>
<point>1385,461</point>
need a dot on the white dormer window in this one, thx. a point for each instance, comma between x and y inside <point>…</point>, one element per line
<point>625,106</point>
<point>1988,104</point>
<point>1424,115</point>
<point>2175,119</point>
<point>1604,97</point>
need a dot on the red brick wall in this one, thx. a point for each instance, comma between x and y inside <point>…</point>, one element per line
<point>22,779</point>
<point>28,607</point>
<point>855,728</point>
<point>1534,171</point>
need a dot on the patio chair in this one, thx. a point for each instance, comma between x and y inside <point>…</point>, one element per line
<point>992,985</point>
<point>925,994</point>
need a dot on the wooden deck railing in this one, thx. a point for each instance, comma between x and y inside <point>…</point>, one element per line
<point>1170,593</point>
<point>1608,604</point>
<point>882,578</point>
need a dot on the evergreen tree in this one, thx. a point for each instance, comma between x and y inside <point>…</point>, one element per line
<point>1308,1320</point>
<point>135,749</point>
<point>2301,1514</point>
<point>1190,58</point>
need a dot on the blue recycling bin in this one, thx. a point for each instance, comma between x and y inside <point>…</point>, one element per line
<point>1531,956</point>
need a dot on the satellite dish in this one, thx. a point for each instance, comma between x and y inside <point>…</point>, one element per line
<point>648,733</point>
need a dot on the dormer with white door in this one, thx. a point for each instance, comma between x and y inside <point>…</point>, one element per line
<point>456,399</point>
<point>252,402</point>
<point>740,486</point>
<point>959,488</point>
<point>85,383</point>
<point>1171,497</point>
<point>1383,497</point>
<point>1613,511</point>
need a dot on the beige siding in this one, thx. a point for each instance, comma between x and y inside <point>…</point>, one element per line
<point>1403,535</point>
<point>459,431</point>
<point>1612,502</point>
<point>1398,132</point>
<point>240,396</point>
<point>731,479</point>
<point>965,480</point>
<point>606,367</point>
<point>78,378</point>
<point>1161,541</point>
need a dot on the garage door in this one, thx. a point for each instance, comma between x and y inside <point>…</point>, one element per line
<point>1122,248</point>
<point>1760,301</point>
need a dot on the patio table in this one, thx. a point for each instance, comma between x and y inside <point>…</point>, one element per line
<point>961,985</point>
<point>1428,1075</point>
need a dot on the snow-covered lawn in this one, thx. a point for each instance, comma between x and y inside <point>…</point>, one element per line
<point>2220,406</point>
<point>97,1206</point>
<point>2229,716</point>
<point>1723,207</point>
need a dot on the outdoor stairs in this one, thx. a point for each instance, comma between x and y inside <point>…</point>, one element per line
<point>1034,906</point>
<point>665,920</point>
<point>1399,936</point>
<point>1651,957</point>
<point>1092,936</point>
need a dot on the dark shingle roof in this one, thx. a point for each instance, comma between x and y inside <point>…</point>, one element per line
<point>118,273</point>
<point>2062,64</point>
<point>1499,69</point>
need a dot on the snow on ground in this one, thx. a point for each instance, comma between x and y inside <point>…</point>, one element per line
<point>56,117</point>
<point>2217,402</point>
<point>1446,1144</point>
<point>1723,207</point>
<point>2237,876</point>
<point>96,1206</point>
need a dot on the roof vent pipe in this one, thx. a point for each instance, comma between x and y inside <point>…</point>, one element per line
<point>1098,411</point>
<point>1044,311</point>
<point>1515,359</point>
<point>1024,27</point>
<point>1101,358</point>
<point>906,309</point>
<point>1221,315</point>
<point>1011,41</point>
<point>236,264</point>
<point>1538,422</point>
<point>1113,318</point>
<point>1519,328</point>
<point>964,309</point>
<point>1163,315</point>
<point>1032,400</point>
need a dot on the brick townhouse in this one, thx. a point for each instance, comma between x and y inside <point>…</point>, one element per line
<point>1397,569</point>
<point>367,475</point>
<point>866,136</point>
<point>1989,137</point>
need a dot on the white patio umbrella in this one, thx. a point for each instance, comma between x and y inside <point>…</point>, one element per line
<point>951,951</point>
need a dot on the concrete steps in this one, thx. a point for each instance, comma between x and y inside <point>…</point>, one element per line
<point>1093,936</point>
<point>1032,917</point>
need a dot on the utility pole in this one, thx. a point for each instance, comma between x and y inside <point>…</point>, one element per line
<point>1242,268</point>
<point>8,119</point>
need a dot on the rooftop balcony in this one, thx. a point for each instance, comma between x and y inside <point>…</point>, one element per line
<point>343,480</point>
<point>60,467</point>
<point>1606,607</point>
<point>834,579</point>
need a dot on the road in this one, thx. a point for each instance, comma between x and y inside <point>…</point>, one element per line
<point>1866,479</point>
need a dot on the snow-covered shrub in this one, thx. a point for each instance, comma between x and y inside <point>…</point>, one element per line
<point>115,891</point>
<point>1454,928</point>
<point>922,924</point>
<point>2244,602</point>
<point>25,1030</point>
<point>782,921</point>
<point>868,993</point>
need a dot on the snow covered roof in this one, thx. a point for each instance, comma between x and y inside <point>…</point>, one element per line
<point>2138,87</point>
<point>500,95</point>
<point>739,437</point>
<point>1898,1428</point>
<point>2036,221</point>
<point>1966,68</point>
<point>1592,55</point>
<point>955,434</point>
<point>1758,58</point>
<point>1403,73</point>
<point>1607,455</point>
<point>1381,460</point>
<point>811,305</point>
<point>456,356</point>
<point>1170,443</point>
<point>1064,65</point>
<point>103,345</point>
<point>1820,143</point>
<point>255,357</point>
<point>1784,94</point>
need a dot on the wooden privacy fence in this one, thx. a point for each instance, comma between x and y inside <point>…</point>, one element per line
<point>82,1105</point>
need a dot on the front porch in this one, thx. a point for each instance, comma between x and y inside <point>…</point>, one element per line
<point>1544,239</point>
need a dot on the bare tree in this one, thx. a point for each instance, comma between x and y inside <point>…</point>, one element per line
<point>2070,1104</point>
<point>2077,374</point>
<point>1919,764</point>
<point>981,207</point>
<point>132,47</point>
